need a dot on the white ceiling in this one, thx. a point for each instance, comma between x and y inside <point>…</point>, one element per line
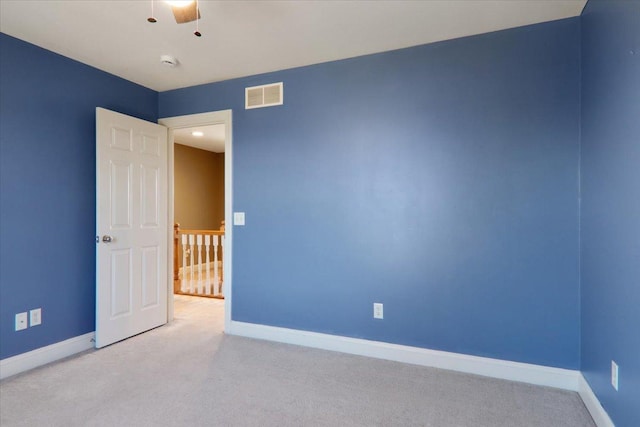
<point>241,38</point>
<point>212,140</point>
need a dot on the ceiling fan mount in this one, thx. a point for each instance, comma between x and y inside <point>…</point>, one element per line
<point>183,11</point>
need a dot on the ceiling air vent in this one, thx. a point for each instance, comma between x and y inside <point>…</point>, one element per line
<point>263,96</point>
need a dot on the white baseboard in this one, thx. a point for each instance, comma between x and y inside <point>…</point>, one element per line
<point>515,371</point>
<point>41,356</point>
<point>599,415</point>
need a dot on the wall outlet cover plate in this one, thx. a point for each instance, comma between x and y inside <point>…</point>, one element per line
<point>238,218</point>
<point>21,321</point>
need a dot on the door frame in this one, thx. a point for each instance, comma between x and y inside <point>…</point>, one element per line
<point>187,121</point>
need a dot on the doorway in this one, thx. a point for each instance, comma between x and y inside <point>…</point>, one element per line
<point>199,228</point>
<point>177,127</point>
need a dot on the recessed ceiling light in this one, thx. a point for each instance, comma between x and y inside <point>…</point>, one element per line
<point>180,3</point>
<point>197,133</point>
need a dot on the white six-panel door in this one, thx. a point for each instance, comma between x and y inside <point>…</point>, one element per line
<point>131,187</point>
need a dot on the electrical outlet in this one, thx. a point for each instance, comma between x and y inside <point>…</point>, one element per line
<point>21,321</point>
<point>378,310</point>
<point>35,317</point>
<point>614,375</point>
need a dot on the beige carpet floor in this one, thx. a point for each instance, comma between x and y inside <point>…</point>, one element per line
<point>189,373</point>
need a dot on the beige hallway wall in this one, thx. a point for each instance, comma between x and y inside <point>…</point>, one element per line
<point>199,188</point>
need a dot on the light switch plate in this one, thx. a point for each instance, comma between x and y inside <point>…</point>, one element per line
<point>35,317</point>
<point>378,310</point>
<point>238,218</point>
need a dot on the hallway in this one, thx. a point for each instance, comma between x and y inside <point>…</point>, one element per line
<point>204,310</point>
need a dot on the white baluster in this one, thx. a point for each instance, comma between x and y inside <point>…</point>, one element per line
<point>199,240</point>
<point>216,278</point>
<point>207,285</point>
<point>183,282</point>
<point>191,248</point>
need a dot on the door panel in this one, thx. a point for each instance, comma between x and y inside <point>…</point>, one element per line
<point>131,274</point>
<point>119,197</point>
<point>120,282</point>
<point>150,145</point>
<point>121,139</point>
<point>149,197</point>
<point>150,276</point>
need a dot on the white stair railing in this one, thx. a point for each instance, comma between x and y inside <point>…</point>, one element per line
<point>196,274</point>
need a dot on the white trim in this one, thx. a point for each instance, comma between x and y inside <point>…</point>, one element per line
<point>170,219</point>
<point>599,415</point>
<point>204,119</point>
<point>43,355</point>
<point>515,371</point>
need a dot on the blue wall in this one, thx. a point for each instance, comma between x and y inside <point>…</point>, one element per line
<point>610,209</point>
<point>47,188</point>
<point>440,180</point>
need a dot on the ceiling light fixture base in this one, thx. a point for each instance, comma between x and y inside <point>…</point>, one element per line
<point>169,61</point>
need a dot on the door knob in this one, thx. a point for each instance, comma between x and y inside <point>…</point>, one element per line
<point>106,239</point>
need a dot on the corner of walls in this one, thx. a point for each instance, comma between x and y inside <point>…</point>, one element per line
<point>579,131</point>
<point>47,188</point>
<point>610,206</point>
<point>593,405</point>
